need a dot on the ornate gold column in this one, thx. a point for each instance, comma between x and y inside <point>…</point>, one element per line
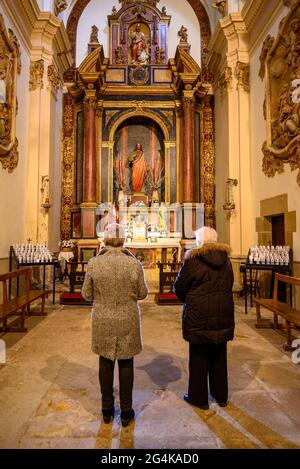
<point>208,160</point>
<point>188,114</point>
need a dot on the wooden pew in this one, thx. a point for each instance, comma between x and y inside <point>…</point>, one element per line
<point>20,304</point>
<point>290,314</point>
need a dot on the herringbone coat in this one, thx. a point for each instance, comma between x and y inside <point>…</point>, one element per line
<point>115,281</point>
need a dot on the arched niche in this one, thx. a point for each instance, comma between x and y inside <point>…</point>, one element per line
<point>146,132</point>
<point>199,9</point>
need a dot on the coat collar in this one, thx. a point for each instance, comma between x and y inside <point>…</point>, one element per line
<point>112,250</point>
<point>206,248</point>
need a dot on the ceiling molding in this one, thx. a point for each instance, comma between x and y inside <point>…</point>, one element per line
<point>41,32</point>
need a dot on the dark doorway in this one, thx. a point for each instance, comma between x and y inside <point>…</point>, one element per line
<point>278,236</point>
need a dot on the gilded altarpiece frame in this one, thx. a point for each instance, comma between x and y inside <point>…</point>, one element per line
<point>280,68</point>
<point>10,67</point>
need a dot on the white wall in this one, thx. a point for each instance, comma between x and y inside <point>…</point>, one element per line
<point>265,187</point>
<point>222,166</point>
<point>97,11</point>
<point>12,185</point>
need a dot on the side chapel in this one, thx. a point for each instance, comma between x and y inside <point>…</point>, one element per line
<point>138,130</point>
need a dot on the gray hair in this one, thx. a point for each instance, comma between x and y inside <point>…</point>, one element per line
<point>206,234</point>
<point>114,235</point>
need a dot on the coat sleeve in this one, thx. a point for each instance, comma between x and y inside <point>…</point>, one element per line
<point>88,285</point>
<point>142,286</point>
<point>183,281</point>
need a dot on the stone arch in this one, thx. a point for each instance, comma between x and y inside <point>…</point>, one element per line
<point>136,113</point>
<point>197,6</point>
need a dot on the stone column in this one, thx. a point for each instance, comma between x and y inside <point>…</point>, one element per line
<point>90,159</point>
<point>188,114</point>
<point>88,214</point>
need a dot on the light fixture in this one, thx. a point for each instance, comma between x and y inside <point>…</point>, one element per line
<point>45,193</point>
<point>229,205</point>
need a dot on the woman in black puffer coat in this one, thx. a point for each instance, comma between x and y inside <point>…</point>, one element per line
<point>204,285</point>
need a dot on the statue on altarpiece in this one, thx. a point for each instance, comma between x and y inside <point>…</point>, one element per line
<point>139,47</point>
<point>139,168</point>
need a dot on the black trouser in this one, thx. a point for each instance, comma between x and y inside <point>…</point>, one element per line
<point>106,378</point>
<point>208,361</point>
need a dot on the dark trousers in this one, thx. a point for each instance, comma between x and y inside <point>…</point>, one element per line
<point>208,362</point>
<point>106,378</point>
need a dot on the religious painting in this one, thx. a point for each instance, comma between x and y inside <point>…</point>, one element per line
<point>282,74</point>
<point>139,40</point>
<point>76,224</point>
<point>139,162</point>
<point>10,66</point>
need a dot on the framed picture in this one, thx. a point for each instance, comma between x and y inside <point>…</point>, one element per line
<point>76,225</point>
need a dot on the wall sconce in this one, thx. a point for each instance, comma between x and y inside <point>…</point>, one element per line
<point>229,205</point>
<point>45,193</point>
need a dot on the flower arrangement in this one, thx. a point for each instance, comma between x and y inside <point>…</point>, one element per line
<point>67,244</point>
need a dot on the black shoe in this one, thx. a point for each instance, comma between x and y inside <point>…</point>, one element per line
<point>187,399</point>
<point>222,404</point>
<point>126,417</point>
<point>108,415</point>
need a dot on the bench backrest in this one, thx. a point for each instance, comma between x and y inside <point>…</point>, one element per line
<point>5,278</point>
<point>286,279</point>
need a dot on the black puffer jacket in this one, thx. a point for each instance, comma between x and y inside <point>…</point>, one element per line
<point>204,285</point>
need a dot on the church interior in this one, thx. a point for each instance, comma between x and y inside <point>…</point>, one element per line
<point>164,116</point>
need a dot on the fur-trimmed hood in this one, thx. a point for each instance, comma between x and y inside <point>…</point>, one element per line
<point>213,254</point>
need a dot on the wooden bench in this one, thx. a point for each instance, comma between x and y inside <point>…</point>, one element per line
<point>20,304</point>
<point>288,313</point>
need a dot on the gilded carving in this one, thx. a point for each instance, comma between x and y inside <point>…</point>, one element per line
<point>119,55</point>
<point>36,75</point>
<point>283,97</point>
<point>54,78</point>
<point>109,115</point>
<point>225,81</point>
<point>60,6</point>
<point>11,161</point>
<point>10,66</point>
<point>94,35</point>
<point>68,165</point>
<point>159,55</point>
<point>267,45</point>
<point>208,160</point>
<point>242,74</point>
<point>170,116</point>
<point>182,33</point>
<point>221,6</point>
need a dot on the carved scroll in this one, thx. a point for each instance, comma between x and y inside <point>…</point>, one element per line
<point>282,64</point>
<point>10,66</point>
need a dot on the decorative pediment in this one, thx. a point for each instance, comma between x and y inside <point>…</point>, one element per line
<point>185,69</point>
<point>282,78</point>
<point>93,67</point>
<point>10,66</point>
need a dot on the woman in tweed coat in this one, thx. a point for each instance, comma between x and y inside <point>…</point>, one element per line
<point>115,281</point>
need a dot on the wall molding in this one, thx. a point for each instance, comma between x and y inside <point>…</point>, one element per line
<point>41,33</point>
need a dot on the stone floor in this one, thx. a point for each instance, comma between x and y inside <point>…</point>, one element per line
<point>49,396</point>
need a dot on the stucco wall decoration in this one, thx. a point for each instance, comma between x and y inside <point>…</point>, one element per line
<point>10,66</point>
<point>282,78</point>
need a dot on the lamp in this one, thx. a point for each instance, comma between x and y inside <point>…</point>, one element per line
<point>229,205</point>
<point>45,193</point>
